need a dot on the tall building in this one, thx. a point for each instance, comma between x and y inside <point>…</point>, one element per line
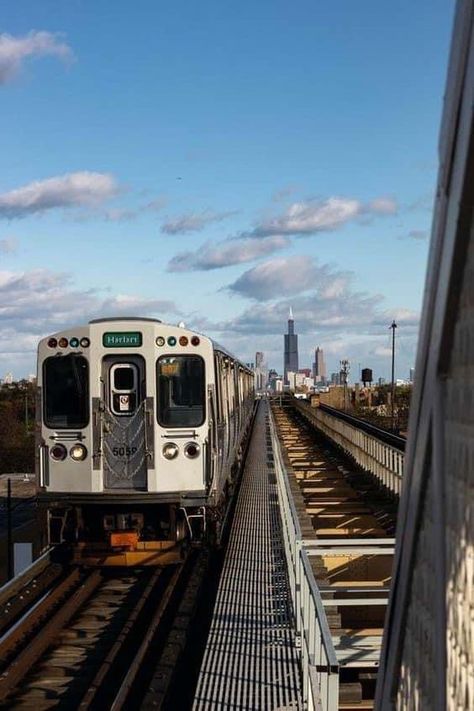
<point>290,362</point>
<point>260,371</point>
<point>319,366</point>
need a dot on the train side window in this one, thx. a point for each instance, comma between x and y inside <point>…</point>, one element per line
<point>66,392</point>
<point>217,369</point>
<point>181,391</point>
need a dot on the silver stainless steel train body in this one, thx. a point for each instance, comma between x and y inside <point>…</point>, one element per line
<point>140,425</point>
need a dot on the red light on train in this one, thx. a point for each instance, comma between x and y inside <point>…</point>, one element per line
<point>52,343</point>
<point>58,452</point>
<point>195,340</point>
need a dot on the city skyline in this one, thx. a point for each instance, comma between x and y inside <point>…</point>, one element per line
<point>215,164</point>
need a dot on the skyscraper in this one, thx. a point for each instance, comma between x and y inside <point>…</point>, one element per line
<point>319,366</point>
<point>290,362</point>
<point>260,371</point>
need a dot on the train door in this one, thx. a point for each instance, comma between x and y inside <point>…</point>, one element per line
<point>123,425</point>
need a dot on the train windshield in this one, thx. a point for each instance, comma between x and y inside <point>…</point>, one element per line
<point>66,392</point>
<point>181,391</point>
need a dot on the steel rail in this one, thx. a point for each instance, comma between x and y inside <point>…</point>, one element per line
<point>21,598</point>
<point>11,588</point>
<point>106,665</point>
<point>124,690</point>
<point>23,662</point>
<point>26,629</point>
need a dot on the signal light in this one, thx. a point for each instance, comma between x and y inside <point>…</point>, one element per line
<point>52,343</point>
<point>170,450</point>
<point>195,340</point>
<point>62,343</point>
<point>78,452</point>
<point>183,341</point>
<point>160,341</point>
<point>171,341</point>
<point>85,343</point>
<point>58,452</point>
<point>192,450</point>
<point>74,342</point>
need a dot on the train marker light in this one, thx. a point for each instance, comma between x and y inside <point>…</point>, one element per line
<point>160,341</point>
<point>74,342</point>
<point>170,450</point>
<point>171,341</point>
<point>78,452</point>
<point>183,341</point>
<point>52,343</point>
<point>58,452</point>
<point>195,340</point>
<point>85,343</point>
<point>192,450</point>
<point>63,342</point>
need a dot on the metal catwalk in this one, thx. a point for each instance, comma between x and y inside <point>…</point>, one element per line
<point>251,660</point>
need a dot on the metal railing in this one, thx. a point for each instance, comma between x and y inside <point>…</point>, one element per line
<point>318,657</point>
<point>382,460</point>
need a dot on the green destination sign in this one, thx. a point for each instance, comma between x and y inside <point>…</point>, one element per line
<point>122,339</point>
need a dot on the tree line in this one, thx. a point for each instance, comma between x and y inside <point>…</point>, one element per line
<point>17,427</point>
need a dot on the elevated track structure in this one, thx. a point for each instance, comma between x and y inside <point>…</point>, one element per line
<point>73,637</point>
<point>339,526</point>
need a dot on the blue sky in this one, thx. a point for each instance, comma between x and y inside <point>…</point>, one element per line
<point>216,163</point>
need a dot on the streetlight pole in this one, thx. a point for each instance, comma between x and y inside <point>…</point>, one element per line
<point>345,367</point>
<point>393,327</point>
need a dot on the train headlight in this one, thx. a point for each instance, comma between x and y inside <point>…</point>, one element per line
<point>192,450</point>
<point>170,450</point>
<point>58,452</point>
<point>78,452</point>
<point>160,341</point>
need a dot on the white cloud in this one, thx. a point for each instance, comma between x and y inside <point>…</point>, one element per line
<point>283,276</point>
<point>82,189</point>
<point>14,50</point>
<point>313,216</point>
<point>194,222</point>
<point>225,253</point>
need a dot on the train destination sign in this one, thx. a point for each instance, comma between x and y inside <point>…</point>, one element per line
<point>122,339</point>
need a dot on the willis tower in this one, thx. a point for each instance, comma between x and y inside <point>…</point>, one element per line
<point>291,349</point>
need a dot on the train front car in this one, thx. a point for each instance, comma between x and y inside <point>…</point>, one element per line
<point>125,468</point>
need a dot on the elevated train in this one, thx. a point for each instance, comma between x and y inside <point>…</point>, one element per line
<point>140,430</point>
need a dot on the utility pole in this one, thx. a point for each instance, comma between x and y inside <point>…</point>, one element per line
<point>345,367</point>
<point>393,327</point>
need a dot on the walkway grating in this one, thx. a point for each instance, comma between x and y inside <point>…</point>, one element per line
<point>251,659</point>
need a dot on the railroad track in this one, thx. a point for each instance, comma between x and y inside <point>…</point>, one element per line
<point>99,639</point>
<point>351,544</point>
